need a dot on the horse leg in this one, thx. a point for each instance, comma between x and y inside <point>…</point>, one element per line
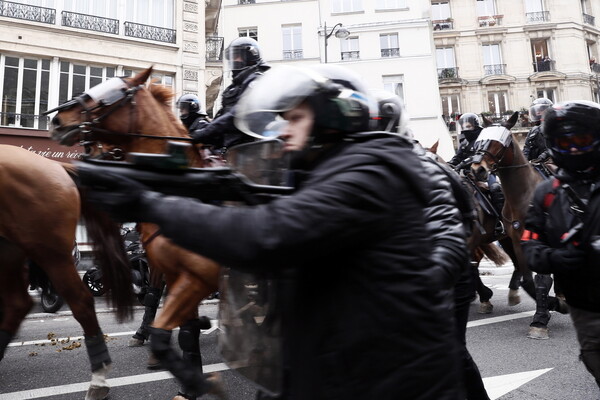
<point>151,303</point>
<point>14,298</point>
<point>513,288</point>
<point>184,296</point>
<point>63,275</point>
<point>538,329</point>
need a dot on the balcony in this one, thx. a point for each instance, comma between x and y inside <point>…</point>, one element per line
<point>540,16</point>
<point>543,65</point>
<point>246,1</point>
<point>293,54</point>
<point>24,120</point>
<point>443,24</point>
<point>589,19</point>
<point>595,68</point>
<point>490,20</point>
<point>90,22</point>
<point>214,48</point>
<point>494,69</point>
<point>149,32</point>
<point>447,73</point>
<point>386,53</point>
<point>27,12</point>
<point>350,55</point>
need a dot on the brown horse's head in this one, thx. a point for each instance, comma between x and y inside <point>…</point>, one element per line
<point>494,148</point>
<point>115,113</point>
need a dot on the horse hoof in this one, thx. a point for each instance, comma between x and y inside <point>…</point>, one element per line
<point>135,342</point>
<point>97,393</point>
<point>538,333</point>
<point>153,362</point>
<point>513,297</point>
<point>485,308</point>
<point>562,306</point>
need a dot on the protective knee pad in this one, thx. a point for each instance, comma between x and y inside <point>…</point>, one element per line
<point>4,341</point>
<point>97,351</point>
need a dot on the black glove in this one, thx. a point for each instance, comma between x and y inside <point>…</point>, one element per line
<point>115,194</point>
<point>567,259</point>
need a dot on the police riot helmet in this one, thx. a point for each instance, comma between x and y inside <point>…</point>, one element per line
<point>469,122</point>
<point>572,133</point>
<point>537,109</point>
<point>338,109</point>
<point>391,112</point>
<point>242,52</point>
<point>188,104</point>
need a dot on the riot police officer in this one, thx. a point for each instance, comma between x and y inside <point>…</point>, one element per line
<point>535,146</point>
<point>245,62</point>
<point>563,221</point>
<point>470,128</point>
<point>190,112</point>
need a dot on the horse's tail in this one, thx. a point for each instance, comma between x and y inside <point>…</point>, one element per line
<point>109,252</point>
<point>494,253</point>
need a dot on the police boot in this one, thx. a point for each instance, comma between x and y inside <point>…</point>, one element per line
<point>189,342</point>
<point>538,329</point>
<point>151,302</point>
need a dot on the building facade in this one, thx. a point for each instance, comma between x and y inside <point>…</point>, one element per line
<point>496,56</point>
<point>388,42</point>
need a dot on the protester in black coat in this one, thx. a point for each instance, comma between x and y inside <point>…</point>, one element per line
<point>364,316</point>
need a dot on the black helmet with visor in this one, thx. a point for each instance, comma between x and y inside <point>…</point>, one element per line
<point>537,109</point>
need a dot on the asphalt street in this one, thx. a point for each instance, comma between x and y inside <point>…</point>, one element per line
<point>513,366</point>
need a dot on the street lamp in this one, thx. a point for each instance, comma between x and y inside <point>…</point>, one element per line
<point>340,33</point>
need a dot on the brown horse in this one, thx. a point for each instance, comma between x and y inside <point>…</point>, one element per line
<point>497,152</point>
<point>40,208</point>
<point>120,116</point>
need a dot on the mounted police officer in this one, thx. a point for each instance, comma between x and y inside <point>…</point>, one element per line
<point>563,221</point>
<point>190,112</point>
<point>351,245</point>
<point>245,62</point>
<point>535,144</point>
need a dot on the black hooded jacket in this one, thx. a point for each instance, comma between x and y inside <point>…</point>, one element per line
<point>364,317</point>
<point>465,146</point>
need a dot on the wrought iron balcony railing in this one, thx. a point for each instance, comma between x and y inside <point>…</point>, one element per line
<point>24,120</point>
<point>214,48</point>
<point>595,68</point>
<point>490,20</point>
<point>25,11</point>
<point>494,69</point>
<point>149,32</point>
<point>543,65</point>
<point>293,54</point>
<point>442,24</point>
<point>246,1</point>
<point>390,52</point>
<point>447,73</point>
<point>539,16</point>
<point>589,19</point>
<point>350,55</point>
<point>90,22</point>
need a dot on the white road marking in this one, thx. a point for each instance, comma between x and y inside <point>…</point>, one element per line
<point>502,318</point>
<point>498,386</point>
<point>114,382</point>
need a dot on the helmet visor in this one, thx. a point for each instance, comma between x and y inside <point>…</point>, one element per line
<point>184,108</point>
<point>574,141</point>
<point>279,90</point>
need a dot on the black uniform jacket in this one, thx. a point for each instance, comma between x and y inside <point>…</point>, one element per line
<point>580,286</point>
<point>364,318</point>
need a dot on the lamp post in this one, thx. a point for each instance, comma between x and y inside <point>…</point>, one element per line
<point>340,33</point>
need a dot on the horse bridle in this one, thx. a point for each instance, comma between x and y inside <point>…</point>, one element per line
<point>90,126</point>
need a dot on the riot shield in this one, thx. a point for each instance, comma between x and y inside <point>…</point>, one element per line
<point>250,328</point>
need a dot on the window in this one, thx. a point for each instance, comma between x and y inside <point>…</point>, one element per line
<point>486,8</point>
<point>342,6</point>
<point>446,63</point>
<point>440,11</point>
<point>541,59</point>
<point>99,8</point>
<point>498,102</point>
<point>150,12</point>
<point>248,32</point>
<point>492,59</point>
<point>548,93</point>
<point>394,84</point>
<point>390,4</point>
<point>389,45</point>
<point>292,42</point>
<point>349,48</point>
<point>450,110</point>
<point>24,91</point>
<point>77,78</point>
<point>532,6</point>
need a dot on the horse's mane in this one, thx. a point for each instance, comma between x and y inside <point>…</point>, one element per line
<point>164,95</point>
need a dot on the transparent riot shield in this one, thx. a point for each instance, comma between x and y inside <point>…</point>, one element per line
<point>250,328</point>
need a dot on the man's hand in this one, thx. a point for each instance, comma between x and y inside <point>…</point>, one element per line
<point>567,259</point>
<point>119,196</point>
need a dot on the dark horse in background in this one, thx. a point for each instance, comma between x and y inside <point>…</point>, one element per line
<point>124,115</point>
<point>41,206</point>
<point>497,152</point>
